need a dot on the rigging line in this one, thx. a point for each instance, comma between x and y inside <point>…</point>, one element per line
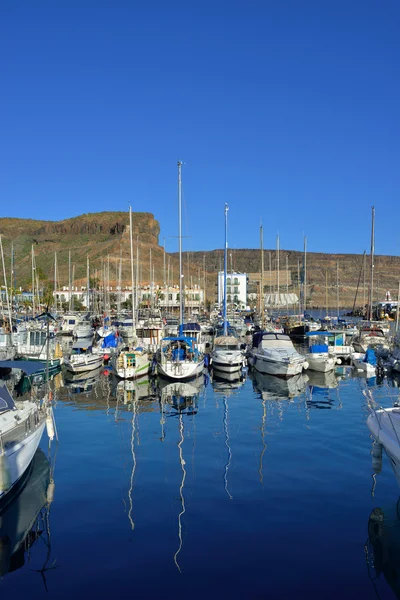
<point>182,498</point>
<point>228,464</point>
<point>260,471</point>
<point>133,465</point>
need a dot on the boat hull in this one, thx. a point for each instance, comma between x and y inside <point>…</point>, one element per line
<point>321,363</point>
<point>90,364</point>
<point>180,370</point>
<point>280,369</point>
<point>17,459</point>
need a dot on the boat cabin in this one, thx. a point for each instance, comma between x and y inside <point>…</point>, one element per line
<point>69,323</point>
<point>271,339</point>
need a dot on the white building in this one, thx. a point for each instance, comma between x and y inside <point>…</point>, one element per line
<point>236,288</point>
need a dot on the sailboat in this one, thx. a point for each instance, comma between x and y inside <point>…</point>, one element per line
<point>133,361</point>
<point>179,357</point>
<point>227,356</point>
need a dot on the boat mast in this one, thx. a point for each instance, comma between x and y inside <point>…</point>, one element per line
<point>88,282</point>
<point>225,267</point>
<point>180,243</point>
<point>55,280</point>
<point>69,280</point>
<point>132,273</point>
<point>305,275</point>
<point>371,287</point>
<point>337,287</point>
<point>262,277</point>
<point>33,282</point>
<point>277,266</point>
<point>5,285</point>
<point>397,309</point>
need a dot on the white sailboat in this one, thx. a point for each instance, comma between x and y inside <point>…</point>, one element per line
<point>21,427</point>
<point>227,356</point>
<point>179,357</point>
<point>133,361</point>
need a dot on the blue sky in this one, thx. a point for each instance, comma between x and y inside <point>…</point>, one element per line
<point>288,111</point>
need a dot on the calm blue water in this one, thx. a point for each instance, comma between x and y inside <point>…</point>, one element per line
<point>253,490</point>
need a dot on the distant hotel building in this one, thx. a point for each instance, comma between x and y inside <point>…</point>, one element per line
<point>236,288</point>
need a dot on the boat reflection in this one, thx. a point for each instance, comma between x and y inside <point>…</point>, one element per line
<point>382,549</point>
<point>81,383</point>
<point>322,380</point>
<point>277,388</point>
<point>225,383</point>
<point>24,519</point>
<point>129,390</point>
<point>183,396</point>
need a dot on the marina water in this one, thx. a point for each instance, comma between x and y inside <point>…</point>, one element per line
<point>254,489</point>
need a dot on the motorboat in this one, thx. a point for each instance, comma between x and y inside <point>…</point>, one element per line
<point>274,354</point>
<point>83,329</point>
<point>365,361</point>
<point>227,355</point>
<point>68,324</point>
<point>340,346</point>
<point>318,352</point>
<point>82,358</point>
<point>370,336</point>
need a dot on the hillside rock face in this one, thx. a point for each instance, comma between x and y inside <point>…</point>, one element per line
<point>105,239</point>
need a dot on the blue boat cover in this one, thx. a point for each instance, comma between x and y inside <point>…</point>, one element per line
<point>370,356</point>
<point>110,341</point>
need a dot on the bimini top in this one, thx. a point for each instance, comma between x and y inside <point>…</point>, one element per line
<point>186,340</point>
<point>27,366</point>
<point>320,332</point>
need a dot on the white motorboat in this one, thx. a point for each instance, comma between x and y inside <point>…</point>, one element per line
<point>365,361</point>
<point>318,355</point>
<point>274,354</point>
<point>370,336</point>
<point>82,358</point>
<point>83,329</point>
<point>339,346</point>
<point>227,356</point>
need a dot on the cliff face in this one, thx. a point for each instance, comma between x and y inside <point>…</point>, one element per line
<point>105,238</point>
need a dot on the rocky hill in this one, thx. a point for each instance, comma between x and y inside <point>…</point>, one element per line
<point>106,234</point>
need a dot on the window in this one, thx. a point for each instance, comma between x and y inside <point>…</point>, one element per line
<point>236,298</point>
<point>236,289</point>
<point>228,280</point>
<point>236,281</point>
<point>169,296</point>
<point>229,298</point>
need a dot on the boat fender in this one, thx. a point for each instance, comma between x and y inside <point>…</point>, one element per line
<point>50,427</point>
<point>376,454</point>
<point>5,477</point>
<point>338,361</point>
<point>50,491</point>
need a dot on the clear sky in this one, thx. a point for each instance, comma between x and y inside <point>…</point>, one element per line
<point>288,110</point>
